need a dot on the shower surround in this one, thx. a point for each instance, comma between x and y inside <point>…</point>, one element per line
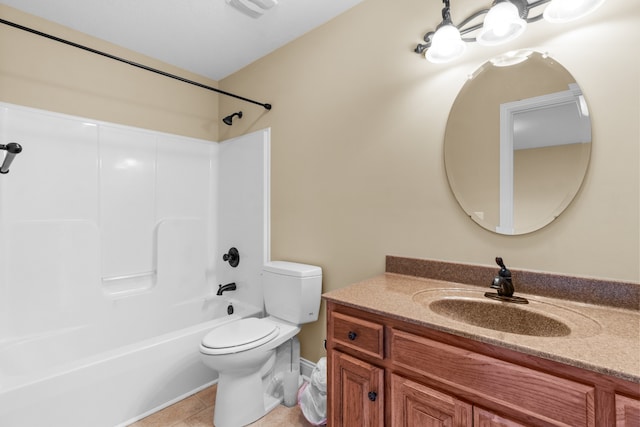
<point>111,243</point>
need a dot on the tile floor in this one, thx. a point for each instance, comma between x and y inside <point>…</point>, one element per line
<point>197,411</point>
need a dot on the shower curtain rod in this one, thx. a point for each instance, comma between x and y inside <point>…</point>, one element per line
<point>134,64</point>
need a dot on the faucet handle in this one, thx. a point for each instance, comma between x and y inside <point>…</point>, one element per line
<point>504,271</point>
<point>233,257</point>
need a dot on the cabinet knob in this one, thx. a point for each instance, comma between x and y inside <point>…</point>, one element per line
<point>373,396</point>
<point>352,335</point>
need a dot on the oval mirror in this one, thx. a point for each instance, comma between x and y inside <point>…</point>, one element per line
<point>517,142</point>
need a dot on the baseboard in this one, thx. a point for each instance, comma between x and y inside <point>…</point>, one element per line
<point>306,368</point>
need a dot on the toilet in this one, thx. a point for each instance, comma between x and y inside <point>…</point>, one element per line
<point>245,353</point>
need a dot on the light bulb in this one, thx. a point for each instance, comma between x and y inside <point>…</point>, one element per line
<point>501,25</point>
<point>560,11</point>
<point>446,45</point>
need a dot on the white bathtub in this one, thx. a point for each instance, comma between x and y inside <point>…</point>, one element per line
<point>109,375</point>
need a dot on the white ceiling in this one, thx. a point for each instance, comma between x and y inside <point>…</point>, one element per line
<point>207,37</point>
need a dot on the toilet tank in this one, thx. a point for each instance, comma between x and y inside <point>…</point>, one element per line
<point>292,291</point>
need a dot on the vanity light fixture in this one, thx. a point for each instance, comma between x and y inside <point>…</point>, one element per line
<point>504,21</point>
<point>446,43</point>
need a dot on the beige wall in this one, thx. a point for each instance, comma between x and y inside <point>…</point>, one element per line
<point>357,128</point>
<point>41,73</point>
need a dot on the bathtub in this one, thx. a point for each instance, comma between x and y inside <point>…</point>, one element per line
<point>112,374</point>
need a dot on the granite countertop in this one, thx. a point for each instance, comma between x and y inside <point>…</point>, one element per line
<point>606,339</point>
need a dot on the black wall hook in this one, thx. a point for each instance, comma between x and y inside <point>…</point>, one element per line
<point>233,257</point>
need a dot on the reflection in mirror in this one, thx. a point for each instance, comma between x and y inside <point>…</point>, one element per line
<point>517,143</point>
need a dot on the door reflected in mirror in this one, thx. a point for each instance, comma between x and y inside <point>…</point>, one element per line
<point>517,143</point>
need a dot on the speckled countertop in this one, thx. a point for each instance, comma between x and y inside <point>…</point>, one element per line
<point>603,339</point>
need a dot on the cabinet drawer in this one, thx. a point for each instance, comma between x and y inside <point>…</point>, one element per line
<point>362,335</point>
<point>552,400</point>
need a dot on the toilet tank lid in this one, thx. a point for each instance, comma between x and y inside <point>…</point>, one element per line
<point>294,269</point>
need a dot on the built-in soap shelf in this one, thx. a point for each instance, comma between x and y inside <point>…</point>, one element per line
<point>129,284</point>
<point>179,260</point>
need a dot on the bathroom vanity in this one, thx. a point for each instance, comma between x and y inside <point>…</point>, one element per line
<point>396,359</point>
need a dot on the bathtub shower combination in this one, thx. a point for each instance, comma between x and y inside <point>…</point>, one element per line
<point>110,259</point>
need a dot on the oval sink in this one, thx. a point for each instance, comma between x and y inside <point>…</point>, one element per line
<point>538,318</point>
<point>505,318</point>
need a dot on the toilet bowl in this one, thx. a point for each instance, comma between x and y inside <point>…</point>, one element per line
<point>243,351</point>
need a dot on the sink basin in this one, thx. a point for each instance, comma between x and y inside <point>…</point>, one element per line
<point>500,317</point>
<point>538,318</point>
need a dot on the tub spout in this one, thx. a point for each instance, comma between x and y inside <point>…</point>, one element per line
<point>228,287</point>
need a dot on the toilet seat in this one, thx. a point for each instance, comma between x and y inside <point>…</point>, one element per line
<point>239,335</point>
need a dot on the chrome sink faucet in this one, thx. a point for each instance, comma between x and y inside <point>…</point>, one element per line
<point>228,287</point>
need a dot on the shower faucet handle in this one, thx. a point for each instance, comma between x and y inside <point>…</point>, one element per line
<point>233,257</point>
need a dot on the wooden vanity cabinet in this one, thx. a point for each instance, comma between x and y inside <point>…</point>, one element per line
<point>386,372</point>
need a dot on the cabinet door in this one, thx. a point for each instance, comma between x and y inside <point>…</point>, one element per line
<point>413,404</point>
<point>357,392</point>
<point>627,412</point>
<point>483,418</point>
